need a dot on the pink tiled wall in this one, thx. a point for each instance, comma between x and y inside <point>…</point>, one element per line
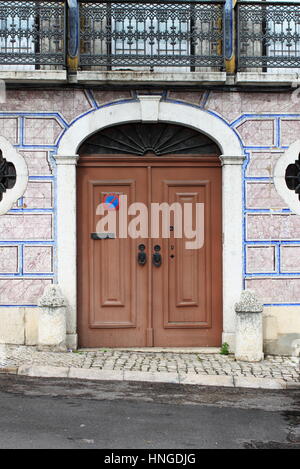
<point>279,290</point>
<point>16,227</point>
<point>290,258</point>
<point>263,195</point>
<point>233,105</point>
<point>252,116</point>
<point>35,121</point>
<point>274,227</point>
<point>290,130</point>
<point>41,131</point>
<point>21,291</point>
<point>257,132</point>
<point>264,123</point>
<point>38,195</point>
<point>69,103</point>
<point>261,259</point>
<point>105,97</point>
<point>8,259</point>
<point>9,129</point>
<point>262,163</point>
<point>38,259</point>
<point>192,98</point>
<point>37,162</point>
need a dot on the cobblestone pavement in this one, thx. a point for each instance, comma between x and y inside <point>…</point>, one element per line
<point>152,361</point>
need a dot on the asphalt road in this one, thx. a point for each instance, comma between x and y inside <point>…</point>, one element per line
<point>40,413</point>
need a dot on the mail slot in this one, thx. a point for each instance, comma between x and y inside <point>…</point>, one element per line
<point>97,236</point>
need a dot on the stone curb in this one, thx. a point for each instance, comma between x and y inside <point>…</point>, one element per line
<point>154,377</point>
<point>206,380</point>
<point>259,383</point>
<point>43,371</point>
<point>293,385</point>
<point>9,371</point>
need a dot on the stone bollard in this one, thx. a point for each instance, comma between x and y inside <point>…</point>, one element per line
<point>296,351</point>
<point>52,320</point>
<point>249,328</point>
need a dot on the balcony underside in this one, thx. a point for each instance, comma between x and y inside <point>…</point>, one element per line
<point>137,78</point>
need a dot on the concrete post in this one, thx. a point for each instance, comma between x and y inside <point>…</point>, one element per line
<point>52,320</point>
<point>249,328</point>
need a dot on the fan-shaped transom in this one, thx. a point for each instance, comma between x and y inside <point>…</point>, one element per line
<point>140,139</point>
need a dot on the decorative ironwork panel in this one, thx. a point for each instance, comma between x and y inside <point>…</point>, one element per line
<point>7,175</point>
<point>292,176</point>
<point>32,33</point>
<point>268,34</point>
<point>139,139</point>
<point>164,34</point>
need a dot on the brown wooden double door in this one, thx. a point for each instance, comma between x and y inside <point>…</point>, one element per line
<point>122,303</point>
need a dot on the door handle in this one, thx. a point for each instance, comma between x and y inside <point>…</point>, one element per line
<point>157,257</point>
<point>142,256</point>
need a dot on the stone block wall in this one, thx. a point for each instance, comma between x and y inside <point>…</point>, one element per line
<point>267,124</point>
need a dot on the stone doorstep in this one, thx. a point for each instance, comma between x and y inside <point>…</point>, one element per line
<point>154,377</point>
<point>186,350</point>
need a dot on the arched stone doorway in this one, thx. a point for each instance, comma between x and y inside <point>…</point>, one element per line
<point>152,109</point>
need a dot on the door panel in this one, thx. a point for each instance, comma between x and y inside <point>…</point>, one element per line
<point>124,304</point>
<point>112,286</point>
<point>112,265</point>
<point>187,269</point>
<point>187,287</point>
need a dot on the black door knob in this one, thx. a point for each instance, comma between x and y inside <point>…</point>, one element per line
<point>157,257</point>
<point>142,256</point>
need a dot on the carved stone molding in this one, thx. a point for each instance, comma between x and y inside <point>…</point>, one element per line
<point>8,175</point>
<point>13,175</point>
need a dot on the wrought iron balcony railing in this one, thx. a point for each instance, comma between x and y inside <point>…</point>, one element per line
<point>32,33</point>
<point>111,35</point>
<point>268,34</point>
<point>160,35</point>
<point>152,34</point>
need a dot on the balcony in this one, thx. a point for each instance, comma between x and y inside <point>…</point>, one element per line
<point>185,40</point>
<point>268,35</point>
<point>32,35</point>
<point>176,35</point>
